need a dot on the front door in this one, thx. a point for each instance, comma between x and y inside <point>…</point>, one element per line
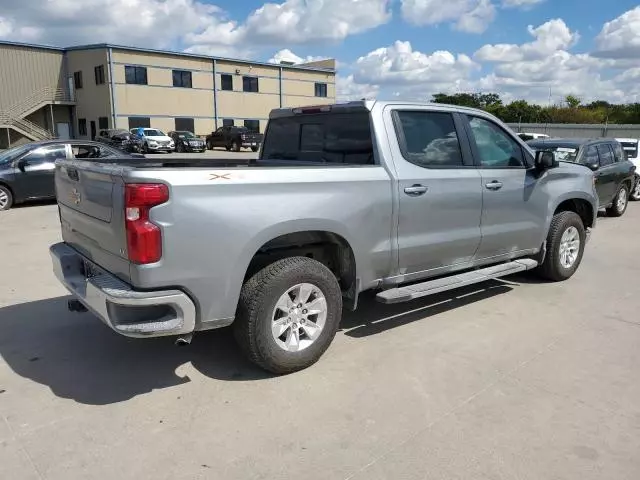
<point>607,175</point>
<point>439,192</point>
<point>93,130</point>
<point>513,209</point>
<point>35,172</point>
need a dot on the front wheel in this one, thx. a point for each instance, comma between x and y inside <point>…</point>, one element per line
<point>635,191</point>
<point>620,202</point>
<point>288,314</point>
<point>565,246</point>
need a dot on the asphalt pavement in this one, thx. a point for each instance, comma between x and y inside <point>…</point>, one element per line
<point>512,379</point>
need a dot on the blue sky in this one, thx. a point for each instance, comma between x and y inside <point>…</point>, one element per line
<point>385,48</point>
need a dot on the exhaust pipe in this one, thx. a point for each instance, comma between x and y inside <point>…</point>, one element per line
<point>76,306</point>
<point>184,340</point>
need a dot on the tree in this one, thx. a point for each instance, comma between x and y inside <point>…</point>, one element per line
<point>572,101</point>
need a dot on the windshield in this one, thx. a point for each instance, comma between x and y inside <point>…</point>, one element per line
<point>562,154</point>
<point>630,148</point>
<point>150,132</point>
<point>186,135</point>
<point>13,153</point>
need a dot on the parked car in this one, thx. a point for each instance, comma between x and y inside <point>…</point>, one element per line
<point>27,171</point>
<point>406,199</point>
<point>154,140</point>
<point>614,173</point>
<point>532,136</point>
<point>630,147</point>
<point>187,142</point>
<point>234,138</point>
<point>121,139</point>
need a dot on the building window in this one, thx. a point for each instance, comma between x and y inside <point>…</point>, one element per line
<point>82,127</point>
<point>77,80</point>
<point>252,125</point>
<point>99,74</point>
<point>135,75</point>
<point>137,122</point>
<point>181,78</point>
<point>249,84</point>
<point>185,125</point>
<point>321,90</point>
<point>226,81</point>
<point>228,122</point>
<point>103,122</point>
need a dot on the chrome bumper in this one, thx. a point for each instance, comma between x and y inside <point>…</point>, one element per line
<point>129,312</point>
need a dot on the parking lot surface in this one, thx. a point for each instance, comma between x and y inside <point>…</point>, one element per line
<point>505,380</point>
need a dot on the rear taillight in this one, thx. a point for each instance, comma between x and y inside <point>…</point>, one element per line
<point>144,238</point>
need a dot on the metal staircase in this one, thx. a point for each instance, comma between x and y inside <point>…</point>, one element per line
<point>14,116</point>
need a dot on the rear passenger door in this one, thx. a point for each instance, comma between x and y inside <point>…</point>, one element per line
<point>513,210</point>
<point>439,193</point>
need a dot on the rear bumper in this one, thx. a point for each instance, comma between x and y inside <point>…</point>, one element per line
<point>129,312</point>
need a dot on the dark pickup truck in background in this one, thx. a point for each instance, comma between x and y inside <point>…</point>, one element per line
<point>121,139</point>
<point>234,138</point>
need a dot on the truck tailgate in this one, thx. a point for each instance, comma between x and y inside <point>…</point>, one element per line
<point>91,204</point>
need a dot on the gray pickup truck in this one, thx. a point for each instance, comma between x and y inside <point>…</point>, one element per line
<point>407,199</point>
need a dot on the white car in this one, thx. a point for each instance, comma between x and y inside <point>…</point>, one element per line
<point>154,140</point>
<point>630,147</point>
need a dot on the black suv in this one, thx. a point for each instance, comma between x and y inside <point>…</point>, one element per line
<point>614,173</point>
<point>234,138</point>
<point>187,142</point>
<point>121,139</point>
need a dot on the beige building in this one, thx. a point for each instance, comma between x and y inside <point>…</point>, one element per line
<point>75,92</point>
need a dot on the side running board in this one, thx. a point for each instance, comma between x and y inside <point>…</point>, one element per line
<point>417,290</point>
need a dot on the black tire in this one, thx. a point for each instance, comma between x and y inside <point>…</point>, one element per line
<point>552,268</point>
<point>254,149</point>
<point>145,149</point>
<point>209,146</point>
<point>258,299</point>
<point>228,148</point>
<point>6,193</point>
<point>635,191</point>
<point>180,148</point>
<point>236,146</point>
<point>620,202</point>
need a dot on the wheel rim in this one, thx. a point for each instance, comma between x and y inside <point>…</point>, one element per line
<point>569,247</point>
<point>636,189</point>
<point>4,199</point>
<point>622,199</point>
<point>299,317</point>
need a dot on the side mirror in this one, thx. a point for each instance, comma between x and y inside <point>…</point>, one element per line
<point>545,160</point>
<point>21,164</point>
<point>593,166</point>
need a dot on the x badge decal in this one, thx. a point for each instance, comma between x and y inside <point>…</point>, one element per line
<point>224,176</point>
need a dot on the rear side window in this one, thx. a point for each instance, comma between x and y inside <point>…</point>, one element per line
<point>428,139</point>
<point>591,157</point>
<point>343,138</point>
<point>606,155</point>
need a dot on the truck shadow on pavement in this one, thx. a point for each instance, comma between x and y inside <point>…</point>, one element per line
<point>79,358</point>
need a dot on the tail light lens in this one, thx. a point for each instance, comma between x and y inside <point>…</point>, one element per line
<point>144,238</point>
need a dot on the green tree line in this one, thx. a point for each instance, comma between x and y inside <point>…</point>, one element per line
<point>570,111</point>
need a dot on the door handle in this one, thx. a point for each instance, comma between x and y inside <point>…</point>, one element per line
<point>416,190</point>
<point>495,185</point>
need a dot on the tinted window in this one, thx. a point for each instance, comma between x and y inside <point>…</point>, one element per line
<point>227,122</point>
<point>77,80</point>
<point>606,155</point>
<point>226,82</point>
<point>252,125</point>
<point>618,153</point>
<point>428,139</point>
<point>93,151</point>
<point>495,147</point>
<point>137,122</point>
<point>135,75</point>
<point>99,74</point>
<point>591,157</point>
<point>250,84</point>
<point>185,124</point>
<point>321,90</point>
<point>330,138</point>
<point>181,78</point>
<point>103,122</point>
<point>43,155</point>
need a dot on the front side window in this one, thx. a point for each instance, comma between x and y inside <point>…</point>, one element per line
<point>428,139</point>
<point>591,157</point>
<point>182,78</point>
<point>42,156</point>
<point>618,153</point>
<point>606,155</point>
<point>135,75</point>
<point>494,146</point>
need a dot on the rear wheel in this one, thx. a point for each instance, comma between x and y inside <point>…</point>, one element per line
<point>6,198</point>
<point>565,246</point>
<point>635,191</point>
<point>620,202</point>
<point>254,149</point>
<point>288,314</point>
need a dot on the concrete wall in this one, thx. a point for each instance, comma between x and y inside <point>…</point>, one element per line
<point>27,70</point>
<point>579,130</point>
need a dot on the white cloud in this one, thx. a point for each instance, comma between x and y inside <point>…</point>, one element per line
<point>348,89</point>
<point>520,3</point>
<point>550,37</point>
<point>286,55</point>
<point>473,16</point>
<point>620,38</point>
